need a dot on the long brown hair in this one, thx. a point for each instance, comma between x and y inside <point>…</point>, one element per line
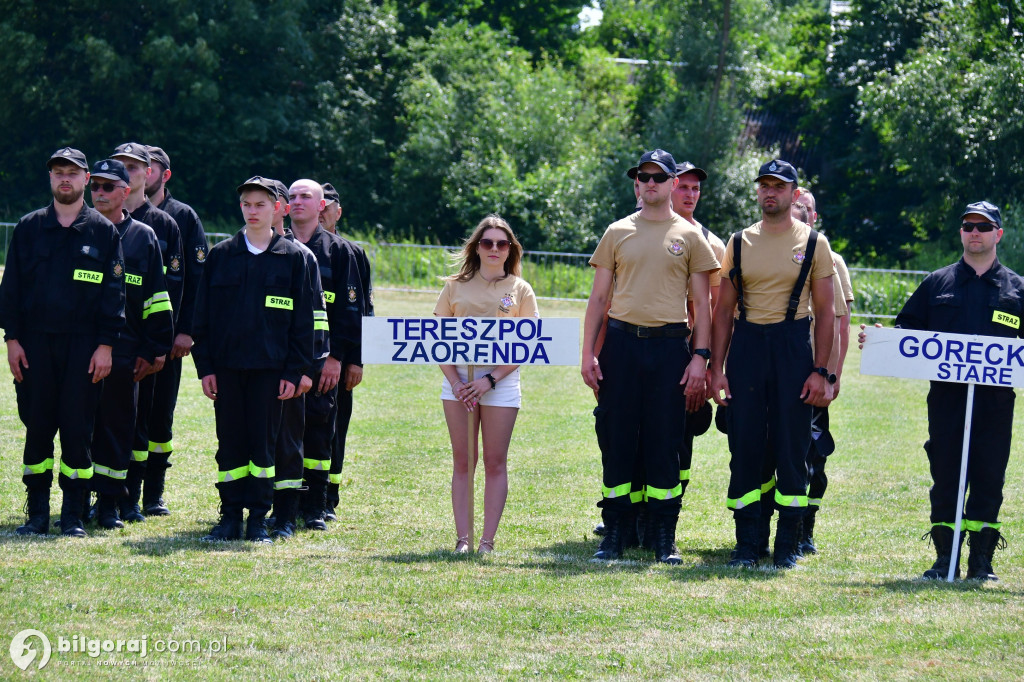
<point>467,260</point>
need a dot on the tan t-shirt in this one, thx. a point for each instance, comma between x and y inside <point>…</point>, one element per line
<point>508,297</point>
<point>771,264</point>
<point>718,247</point>
<point>844,277</point>
<point>651,262</point>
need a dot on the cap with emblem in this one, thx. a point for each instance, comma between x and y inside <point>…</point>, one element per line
<point>261,183</point>
<point>111,169</point>
<point>984,208</point>
<point>330,194</point>
<point>68,155</point>
<point>658,156</point>
<point>777,168</point>
<point>687,167</point>
<point>159,155</point>
<point>133,150</point>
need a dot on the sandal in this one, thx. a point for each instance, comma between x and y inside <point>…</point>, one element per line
<point>462,545</point>
<point>486,546</point>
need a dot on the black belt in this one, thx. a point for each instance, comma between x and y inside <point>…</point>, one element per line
<point>676,329</point>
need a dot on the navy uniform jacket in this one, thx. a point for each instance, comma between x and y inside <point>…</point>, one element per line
<point>169,236</point>
<point>321,328</point>
<point>955,299</point>
<point>195,248</point>
<point>148,331</point>
<point>253,311</point>
<point>350,282</point>
<point>63,280</point>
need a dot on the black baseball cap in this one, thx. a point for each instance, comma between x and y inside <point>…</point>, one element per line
<point>282,190</point>
<point>69,155</point>
<point>658,156</point>
<point>331,194</point>
<point>984,208</point>
<point>159,155</point>
<point>687,167</point>
<point>257,182</point>
<point>777,168</point>
<point>133,150</point>
<point>111,169</point>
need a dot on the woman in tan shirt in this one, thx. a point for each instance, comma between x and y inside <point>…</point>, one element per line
<point>487,284</point>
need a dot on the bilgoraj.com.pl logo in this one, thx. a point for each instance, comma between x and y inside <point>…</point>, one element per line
<point>24,648</point>
<point>29,644</point>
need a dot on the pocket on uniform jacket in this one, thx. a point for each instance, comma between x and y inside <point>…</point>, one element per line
<point>601,426</point>
<point>88,266</point>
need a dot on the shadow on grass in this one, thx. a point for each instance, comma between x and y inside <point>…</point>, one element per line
<point>437,556</point>
<point>917,585</point>
<point>180,542</point>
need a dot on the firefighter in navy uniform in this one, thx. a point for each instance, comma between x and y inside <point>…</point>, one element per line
<point>253,331</point>
<point>290,452</point>
<point>136,160</point>
<point>976,295</point>
<point>142,347</point>
<point>157,435</point>
<point>355,291</point>
<point>62,310</point>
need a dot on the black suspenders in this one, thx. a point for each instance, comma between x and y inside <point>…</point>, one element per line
<point>736,274</point>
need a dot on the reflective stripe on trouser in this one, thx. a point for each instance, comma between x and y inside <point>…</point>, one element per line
<point>989,454</point>
<point>248,418</point>
<point>157,303</point>
<point>971,525</point>
<point>57,396</point>
<point>769,426</point>
<point>342,413</point>
<point>288,457</point>
<point>115,428</point>
<point>140,455</point>
<point>641,414</point>
<point>320,451</point>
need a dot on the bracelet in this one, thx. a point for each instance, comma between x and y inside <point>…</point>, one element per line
<point>494,382</point>
<point>460,383</point>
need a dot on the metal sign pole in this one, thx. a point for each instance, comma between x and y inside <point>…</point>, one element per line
<point>472,461</point>
<point>954,557</point>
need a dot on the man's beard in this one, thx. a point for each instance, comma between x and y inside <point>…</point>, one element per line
<point>154,189</point>
<point>68,198</point>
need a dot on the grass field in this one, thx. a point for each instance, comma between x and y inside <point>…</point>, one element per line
<point>381,596</point>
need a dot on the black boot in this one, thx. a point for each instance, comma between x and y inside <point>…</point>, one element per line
<point>610,548</point>
<point>256,529</point>
<point>37,506</point>
<point>70,513</point>
<point>599,529</point>
<point>312,503</point>
<point>663,529</point>
<point>153,485</point>
<point>333,499</point>
<point>748,537</point>
<point>983,545</point>
<point>129,506</point>
<point>228,528</point>
<point>787,535</point>
<point>806,545</point>
<point>632,526</point>
<point>286,506</point>
<point>106,512</point>
<point>942,538</point>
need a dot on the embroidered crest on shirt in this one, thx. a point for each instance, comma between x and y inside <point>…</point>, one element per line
<point>506,303</point>
<point>200,254</point>
<point>676,247</point>
<point>175,264</point>
<point>798,257</point>
<point>352,295</point>
<point>118,269</point>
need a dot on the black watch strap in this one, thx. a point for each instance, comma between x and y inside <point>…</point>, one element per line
<point>703,352</point>
<point>823,371</point>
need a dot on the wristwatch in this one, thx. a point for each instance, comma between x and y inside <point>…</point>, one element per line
<point>823,371</point>
<point>703,352</point>
<point>832,378</point>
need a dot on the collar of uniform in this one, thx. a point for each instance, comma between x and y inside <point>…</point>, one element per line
<point>965,272</point>
<point>278,244</point>
<point>52,221</point>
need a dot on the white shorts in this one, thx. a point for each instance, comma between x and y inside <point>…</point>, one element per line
<point>506,392</point>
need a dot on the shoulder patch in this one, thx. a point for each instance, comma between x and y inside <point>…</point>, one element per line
<point>200,254</point>
<point>798,256</point>
<point>118,269</point>
<point>352,297</point>
<point>175,264</point>
<point>676,247</point>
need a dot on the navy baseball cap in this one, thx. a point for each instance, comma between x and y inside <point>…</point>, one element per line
<point>69,155</point>
<point>282,190</point>
<point>687,167</point>
<point>159,155</point>
<point>133,150</point>
<point>261,183</point>
<point>658,156</point>
<point>331,194</point>
<point>111,169</point>
<point>984,208</point>
<point>777,168</point>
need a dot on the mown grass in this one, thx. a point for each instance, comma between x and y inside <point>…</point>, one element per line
<point>381,596</point>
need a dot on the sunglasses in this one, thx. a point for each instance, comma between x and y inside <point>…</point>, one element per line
<point>106,187</point>
<point>489,244</point>
<point>981,227</point>
<point>657,177</point>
